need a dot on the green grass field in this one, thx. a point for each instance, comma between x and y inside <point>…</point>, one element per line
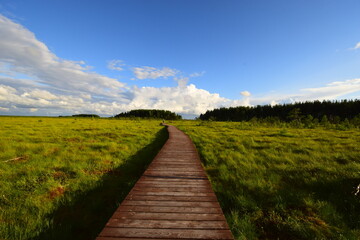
<point>282,183</point>
<point>62,178</point>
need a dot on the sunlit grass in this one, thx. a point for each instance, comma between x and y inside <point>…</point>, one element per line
<point>56,176</point>
<point>47,163</point>
<point>282,183</point>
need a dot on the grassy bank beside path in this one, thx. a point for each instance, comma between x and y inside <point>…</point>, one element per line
<point>62,178</point>
<point>282,183</point>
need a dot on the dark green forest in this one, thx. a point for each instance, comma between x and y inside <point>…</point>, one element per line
<point>332,111</point>
<point>150,113</point>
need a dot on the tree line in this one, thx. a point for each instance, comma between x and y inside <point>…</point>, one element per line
<point>332,111</point>
<point>82,116</point>
<point>149,113</point>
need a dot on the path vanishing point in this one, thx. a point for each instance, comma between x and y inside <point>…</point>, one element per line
<point>173,199</point>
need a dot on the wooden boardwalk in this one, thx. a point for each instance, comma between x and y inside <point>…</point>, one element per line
<point>172,200</point>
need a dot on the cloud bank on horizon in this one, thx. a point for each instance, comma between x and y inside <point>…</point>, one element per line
<point>34,81</point>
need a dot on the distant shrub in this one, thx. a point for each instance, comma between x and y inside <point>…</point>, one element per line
<point>86,115</point>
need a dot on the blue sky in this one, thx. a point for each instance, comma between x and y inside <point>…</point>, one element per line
<point>105,57</point>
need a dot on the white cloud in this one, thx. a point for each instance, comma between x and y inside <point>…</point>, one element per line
<point>357,46</point>
<point>42,94</point>
<point>273,103</point>
<point>182,99</point>
<point>182,81</point>
<point>187,100</point>
<point>153,73</point>
<point>117,65</point>
<point>245,93</point>
<point>22,53</point>
<point>197,74</point>
<point>330,91</point>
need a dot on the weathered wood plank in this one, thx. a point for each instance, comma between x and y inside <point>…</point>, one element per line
<point>157,185</point>
<point>179,163</point>
<point>170,203</point>
<point>169,216</point>
<point>175,175</point>
<point>180,172</point>
<point>171,185</point>
<point>175,164</point>
<point>167,233</point>
<point>171,198</point>
<point>160,224</point>
<point>162,181</point>
<point>156,209</point>
<point>176,169</point>
<point>126,238</point>
<point>173,189</point>
<point>197,194</point>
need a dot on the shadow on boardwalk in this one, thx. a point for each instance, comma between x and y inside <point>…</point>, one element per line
<point>87,215</point>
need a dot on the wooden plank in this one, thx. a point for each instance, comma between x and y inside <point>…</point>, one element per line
<point>169,216</point>
<point>160,172</point>
<point>169,173</point>
<point>175,180</point>
<point>145,177</point>
<point>184,182</point>
<point>166,233</point>
<point>156,209</point>
<point>168,185</point>
<point>173,189</point>
<point>176,186</point>
<point>187,194</point>
<point>173,155</point>
<point>177,159</point>
<point>174,164</point>
<point>200,182</point>
<point>177,169</point>
<point>178,175</point>
<point>177,162</point>
<point>171,198</point>
<point>166,188</point>
<point>168,177</point>
<point>160,224</point>
<point>181,184</point>
<point>170,203</point>
<point>172,185</point>
<point>126,238</point>
<point>174,170</point>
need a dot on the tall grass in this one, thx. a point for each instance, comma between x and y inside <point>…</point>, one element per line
<point>282,183</point>
<point>61,178</point>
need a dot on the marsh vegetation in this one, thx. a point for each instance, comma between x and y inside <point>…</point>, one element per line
<point>62,178</point>
<point>282,182</point>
